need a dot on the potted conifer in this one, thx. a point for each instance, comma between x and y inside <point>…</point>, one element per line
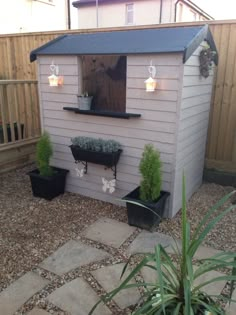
<point>46,181</point>
<point>148,194</point>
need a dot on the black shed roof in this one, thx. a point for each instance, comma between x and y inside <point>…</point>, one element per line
<point>146,41</point>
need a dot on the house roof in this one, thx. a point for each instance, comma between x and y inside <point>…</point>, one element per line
<point>183,40</point>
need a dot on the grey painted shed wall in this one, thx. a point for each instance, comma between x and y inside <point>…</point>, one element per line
<point>177,141</point>
<point>157,124</point>
<point>192,128</point>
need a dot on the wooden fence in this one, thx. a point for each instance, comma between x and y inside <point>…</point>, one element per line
<point>221,144</point>
<point>19,121</point>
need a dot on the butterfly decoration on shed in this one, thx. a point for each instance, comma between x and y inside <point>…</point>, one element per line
<point>109,185</point>
<point>79,172</point>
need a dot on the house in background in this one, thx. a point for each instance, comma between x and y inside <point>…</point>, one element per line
<point>113,13</point>
<point>17,16</point>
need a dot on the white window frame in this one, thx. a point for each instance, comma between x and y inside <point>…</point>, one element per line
<point>50,2</point>
<point>127,12</point>
<point>194,15</point>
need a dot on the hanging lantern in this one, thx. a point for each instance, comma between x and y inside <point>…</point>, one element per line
<point>151,83</point>
<point>54,79</point>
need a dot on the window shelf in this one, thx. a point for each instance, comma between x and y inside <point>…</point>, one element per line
<point>102,113</point>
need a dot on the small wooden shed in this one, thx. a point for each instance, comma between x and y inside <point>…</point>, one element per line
<point>113,67</point>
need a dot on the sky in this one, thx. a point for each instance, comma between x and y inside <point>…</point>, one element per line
<point>218,9</point>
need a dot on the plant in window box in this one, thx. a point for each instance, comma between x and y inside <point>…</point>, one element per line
<point>149,192</point>
<point>85,101</point>
<point>179,286</point>
<point>46,181</point>
<point>98,151</point>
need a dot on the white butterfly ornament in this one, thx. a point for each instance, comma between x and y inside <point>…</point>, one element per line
<point>79,173</point>
<point>109,185</point>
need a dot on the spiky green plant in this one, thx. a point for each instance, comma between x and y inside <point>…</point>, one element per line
<point>176,291</point>
<point>150,169</point>
<point>44,152</point>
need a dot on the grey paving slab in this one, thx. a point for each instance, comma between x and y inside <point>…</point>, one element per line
<point>77,298</point>
<point>72,255</point>
<point>145,242</point>
<point>109,279</point>
<point>149,275</point>
<point>37,311</point>
<point>109,232</point>
<point>206,252</point>
<point>214,288</point>
<point>231,309</point>
<point>19,292</point>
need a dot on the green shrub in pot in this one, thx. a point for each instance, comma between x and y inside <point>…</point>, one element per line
<point>176,290</point>
<point>44,152</point>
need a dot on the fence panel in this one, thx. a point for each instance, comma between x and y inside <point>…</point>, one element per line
<point>19,111</point>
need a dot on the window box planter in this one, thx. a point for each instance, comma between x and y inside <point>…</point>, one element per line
<point>142,217</point>
<point>48,187</point>
<point>108,159</point>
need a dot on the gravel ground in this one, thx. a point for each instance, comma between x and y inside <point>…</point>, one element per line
<point>32,228</point>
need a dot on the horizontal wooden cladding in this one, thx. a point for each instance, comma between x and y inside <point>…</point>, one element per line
<point>163,72</point>
<point>68,80</point>
<point>63,70</point>
<point>193,111</point>
<point>126,164</point>
<point>64,89</point>
<point>58,60</point>
<point>196,100</point>
<point>157,60</point>
<point>95,173</point>
<point>194,81</point>
<point>101,122</point>
<point>157,95</point>
<point>127,142</point>
<point>190,91</point>
<point>61,144</point>
<point>166,85</point>
<point>195,70</point>
<point>72,127</point>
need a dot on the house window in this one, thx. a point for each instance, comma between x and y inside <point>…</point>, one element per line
<point>129,18</point>
<point>180,13</point>
<point>104,78</point>
<point>194,15</point>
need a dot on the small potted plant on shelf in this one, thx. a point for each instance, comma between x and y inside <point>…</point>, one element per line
<point>179,287</point>
<point>148,194</point>
<point>46,181</point>
<point>98,151</point>
<point>85,101</point>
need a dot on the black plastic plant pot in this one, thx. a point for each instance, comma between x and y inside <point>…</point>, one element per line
<point>142,217</point>
<point>48,187</point>
<point>103,158</point>
<point>9,137</point>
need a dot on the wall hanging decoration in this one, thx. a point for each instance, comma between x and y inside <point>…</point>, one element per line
<point>98,151</point>
<point>206,58</point>
<point>108,185</point>
<point>54,79</point>
<point>151,83</point>
<point>79,172</point>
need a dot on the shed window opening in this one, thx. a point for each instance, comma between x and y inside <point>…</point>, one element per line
<point>129,17</point>
<point>104,78</point>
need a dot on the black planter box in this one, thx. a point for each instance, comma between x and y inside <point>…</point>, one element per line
<point>143,217</point>
<point>48,187</point>
<point>108,159</point>
<point>9,137</point>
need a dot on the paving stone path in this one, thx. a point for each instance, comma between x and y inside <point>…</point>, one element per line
<point>76,296</point>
